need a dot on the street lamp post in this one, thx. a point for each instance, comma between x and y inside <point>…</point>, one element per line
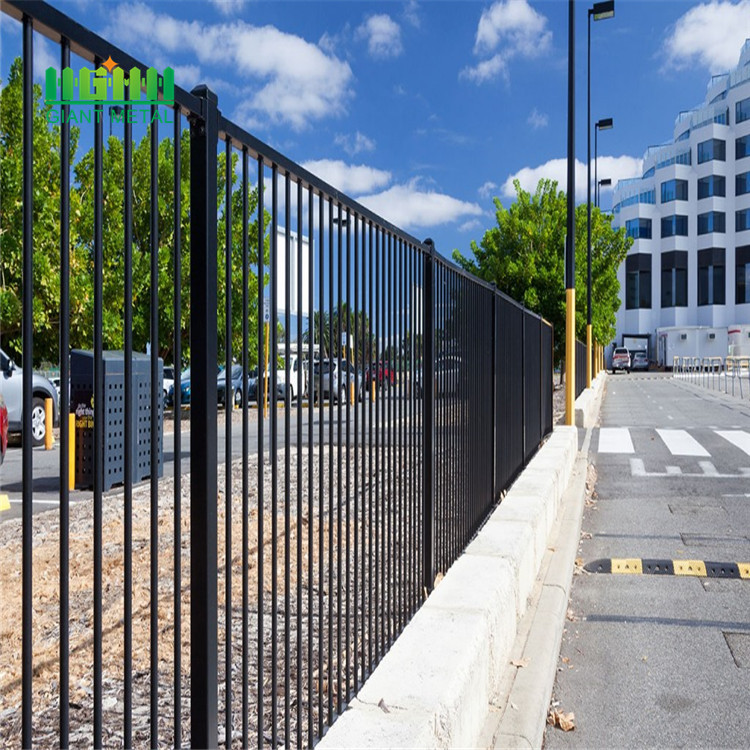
<point>600,11</point>
<point>604,124</point>
<point>570,243</point>
<point>604,182</point>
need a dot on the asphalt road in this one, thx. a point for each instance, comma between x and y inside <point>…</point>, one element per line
<point>661,660</point>
<point>46,464</point>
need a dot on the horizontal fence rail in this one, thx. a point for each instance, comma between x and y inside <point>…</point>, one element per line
<point>355,407</point>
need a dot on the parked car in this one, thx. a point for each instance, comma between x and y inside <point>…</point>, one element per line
<point>640,361</point>
<point>329,382</point>
<point>255,383</point>
<point>383,374</point>
<point>621,359</point>
<point>447,376</point>
<point>11,388</point>
<point>236,385</point>
<point>167,381</point>
<point>3,429</point>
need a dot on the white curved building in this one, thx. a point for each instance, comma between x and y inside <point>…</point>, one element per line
<point>686,278</point>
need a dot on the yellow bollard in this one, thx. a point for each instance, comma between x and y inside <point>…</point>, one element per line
<point>48,439</point>
<point>351,394</point>
<point>71,451</point>
<point>372,389</point>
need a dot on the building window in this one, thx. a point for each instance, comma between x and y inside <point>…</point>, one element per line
<point>638,282</point>
<point>711,276</point>
<point>713,149</point>
<point>742,147</point>
<point>742,183</point>
<point>674,226</point>
<point>742,275</point>
<point>674,190</point>
<point>742,220</point>
<point>713,185</point>
<point>674,281</point>
<point>638,229</point>
<point>712,221</point>
<point>742,110</point>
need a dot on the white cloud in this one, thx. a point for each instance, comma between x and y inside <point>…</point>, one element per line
<point>486,70</point>
<point>411,14</point>
<point>517,25</point>
<point>354,144</point>
<point>537,119</point>
<point>710,34</point>
<point>507,29</point>
<point>383,36</point>
<point>614,167</point>
<point>486,190</point>
<point>470,225</point>
<point>410,206</point>
<point>44,58</point>
<point>348,178</point>
<point>228,7</point>
<point>288,79</point>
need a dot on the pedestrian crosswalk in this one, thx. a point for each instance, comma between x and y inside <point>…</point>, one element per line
<point>700,451</point>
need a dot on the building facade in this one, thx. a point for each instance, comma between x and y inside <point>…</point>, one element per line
<point>686,278</point>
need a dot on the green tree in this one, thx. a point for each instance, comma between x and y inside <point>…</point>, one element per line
<point>524,255</point>
<point>46,223</point>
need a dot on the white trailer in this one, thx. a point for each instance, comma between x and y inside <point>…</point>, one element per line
<point>689,341</point>
<point>738,337</point>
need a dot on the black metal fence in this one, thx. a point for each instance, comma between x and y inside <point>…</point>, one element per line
<point>248,601</point>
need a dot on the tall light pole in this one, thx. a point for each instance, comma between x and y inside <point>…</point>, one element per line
<point>570,244</point>
<point>604,182</point>
<point>604,124</point>
<point>600,11</point>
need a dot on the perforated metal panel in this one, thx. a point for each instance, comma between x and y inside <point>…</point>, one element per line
<point>82,405</point>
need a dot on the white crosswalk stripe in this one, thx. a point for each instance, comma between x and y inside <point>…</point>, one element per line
<point>736,437</point>
<point>682,443</point>
<point>615,440</point>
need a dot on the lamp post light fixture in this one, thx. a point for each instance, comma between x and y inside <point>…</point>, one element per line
<point>600,11</point>
<point>604,182</point>
<point>605,124</point>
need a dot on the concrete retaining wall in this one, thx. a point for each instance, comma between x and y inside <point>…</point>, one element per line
<point>587,405</point>
<point>433,687</point>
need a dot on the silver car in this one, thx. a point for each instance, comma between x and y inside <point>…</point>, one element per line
<point>335,384</point>
<point>11,388</point>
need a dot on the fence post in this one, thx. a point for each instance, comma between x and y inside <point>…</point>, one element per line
<point>203,459</point>
<point>428,415</point>
<point>495,398</point>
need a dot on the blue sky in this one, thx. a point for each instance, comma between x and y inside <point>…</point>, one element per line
<point>424,111</point>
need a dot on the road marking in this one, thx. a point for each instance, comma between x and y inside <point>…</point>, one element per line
<point>615,440</point>
<point>35,502</point>
<point>695,568</point>
<point>736,437</point>
<point>708,468</point>
<point>681,443</point>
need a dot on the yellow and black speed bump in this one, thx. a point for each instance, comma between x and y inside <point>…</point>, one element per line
<point>698,568</point>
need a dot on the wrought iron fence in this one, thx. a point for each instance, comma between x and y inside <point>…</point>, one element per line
<point>249,599</point>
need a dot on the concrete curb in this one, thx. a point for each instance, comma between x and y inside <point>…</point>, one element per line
<point>587,405</point>
<point>433,688</point>
<point>523,720</point>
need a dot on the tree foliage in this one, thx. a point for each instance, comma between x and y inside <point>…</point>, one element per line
<point>524,255</point>
<point>46,253</point>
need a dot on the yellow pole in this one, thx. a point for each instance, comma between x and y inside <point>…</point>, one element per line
<point>48,439</point>
<point>71,451</point>
<point>588,355</point>
<point>372,389</point>
<point>266,332</point>
<point>351,393</point>
<point>570,356</point>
